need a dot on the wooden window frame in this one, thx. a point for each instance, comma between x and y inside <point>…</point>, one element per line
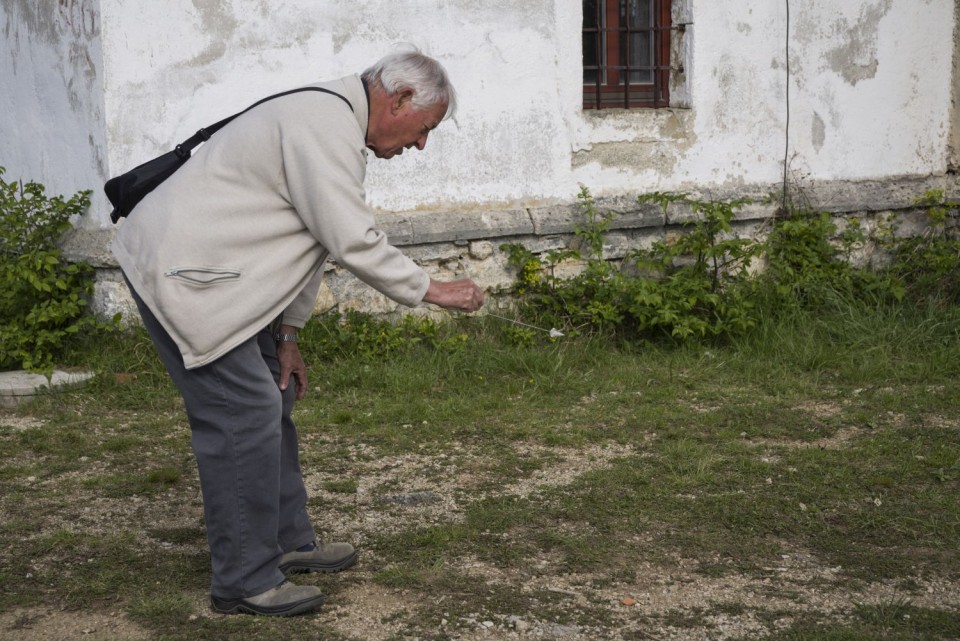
<point>608,90</point>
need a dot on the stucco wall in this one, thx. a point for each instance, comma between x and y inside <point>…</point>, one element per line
<point>870,96</point>
<point>97,86</point>
<point>51,94</point>
<point>860,108</point>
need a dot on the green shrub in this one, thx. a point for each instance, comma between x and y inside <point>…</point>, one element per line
<point>926,267</point>
<point>702,273</point>
<point>699,283</point>
<point>802,260</point>
<point>42,297</point>
<point>690,286</point>
<point>362,336</point>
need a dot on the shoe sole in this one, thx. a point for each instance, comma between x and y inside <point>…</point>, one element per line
<point>242,606</point>
<point>301,567</point>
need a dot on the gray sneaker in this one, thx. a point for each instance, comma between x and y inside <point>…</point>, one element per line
<point>324,557</point>
<point>284,600</point>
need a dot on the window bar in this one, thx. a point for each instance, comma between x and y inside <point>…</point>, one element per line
<point>664,54</point>
<point>625,37</point>
<point>601,39</point>
<point>657,62</point>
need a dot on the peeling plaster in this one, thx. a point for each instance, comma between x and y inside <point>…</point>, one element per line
<point>219,24</point>
<point>818,132</point>
<point>629,155</point>
<point>54,92</point>
<point>652,142</point>
<point>856,59</point>
<point>173,66</point>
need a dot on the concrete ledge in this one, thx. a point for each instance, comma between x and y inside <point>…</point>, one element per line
<point>458,226</point>
<point>405,229</point>
<point>18,386</point>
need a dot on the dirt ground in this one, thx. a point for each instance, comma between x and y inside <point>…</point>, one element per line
<point>364,610</point>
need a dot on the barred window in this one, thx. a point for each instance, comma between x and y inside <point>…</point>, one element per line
<point>626,53</point>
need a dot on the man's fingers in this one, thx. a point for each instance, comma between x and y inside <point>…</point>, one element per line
<point>458,294</point>
<point>474,298</point>
<point>301,374</point>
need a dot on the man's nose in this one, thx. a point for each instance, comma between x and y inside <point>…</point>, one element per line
<point>421,142</point>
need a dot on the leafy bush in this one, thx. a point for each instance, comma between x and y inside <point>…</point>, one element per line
<point>360,335</point>
<point>687,286</point>
<point>927,266</point>
<point>702,273</point>
<point>700,284</point>
<point>42,297</point>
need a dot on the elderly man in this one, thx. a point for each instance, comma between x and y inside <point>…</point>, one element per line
<point>224,263</point>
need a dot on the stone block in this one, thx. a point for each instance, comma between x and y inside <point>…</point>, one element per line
<point>18,386</point>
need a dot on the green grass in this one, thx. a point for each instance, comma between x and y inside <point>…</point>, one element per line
<point>744,480</point>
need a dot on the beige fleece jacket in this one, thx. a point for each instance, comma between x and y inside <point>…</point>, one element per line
<point>239,234</point>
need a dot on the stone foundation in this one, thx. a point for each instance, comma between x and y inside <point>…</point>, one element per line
<point>467,243</point>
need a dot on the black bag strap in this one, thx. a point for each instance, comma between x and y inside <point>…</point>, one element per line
<point>203,134</point>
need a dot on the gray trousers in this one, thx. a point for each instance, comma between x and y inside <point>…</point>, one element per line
<point>245,443</point>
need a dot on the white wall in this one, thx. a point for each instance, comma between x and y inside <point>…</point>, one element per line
<point>51,97</point>
<point>870,91</point>
<point>870,97</point>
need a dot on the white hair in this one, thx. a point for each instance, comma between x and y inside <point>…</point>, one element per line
<point>419,73</point>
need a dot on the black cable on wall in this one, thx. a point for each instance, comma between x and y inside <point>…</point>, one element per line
<point>786,145</point>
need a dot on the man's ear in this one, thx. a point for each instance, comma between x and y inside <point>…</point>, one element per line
<point>402,97</point>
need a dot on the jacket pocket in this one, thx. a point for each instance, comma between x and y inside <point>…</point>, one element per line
<point>203,276</point>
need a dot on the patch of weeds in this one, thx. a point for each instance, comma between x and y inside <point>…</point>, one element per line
<point>737,453</point>
<point>10,472</point>
<point>341,486</point>
<point>579,552</point>
<point>424,547</point>
<point>50,441</point>
<point>88,569</point>
<point>895,620</point>
<point>685,619</point>
<point>120,443</point>
<point>729,608</point>
<point>134,483</point>
<point>343,417</point>
<point>179,535</point>
<point>162,610</point>
<point>687,462</point>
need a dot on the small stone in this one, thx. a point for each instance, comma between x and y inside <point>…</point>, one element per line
<point>518,624</point>
<point>628,601</point>
<point>481,249</point>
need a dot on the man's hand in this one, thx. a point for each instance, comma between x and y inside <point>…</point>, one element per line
<point>291,363</point>
<point>455,294</point>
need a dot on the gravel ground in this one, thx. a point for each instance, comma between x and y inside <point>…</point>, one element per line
<point>361,609</point>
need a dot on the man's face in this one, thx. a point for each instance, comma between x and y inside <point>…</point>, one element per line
<point>405,127</point>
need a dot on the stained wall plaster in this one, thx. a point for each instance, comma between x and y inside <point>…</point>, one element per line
<point>92,87</point>
<point>51,103</point>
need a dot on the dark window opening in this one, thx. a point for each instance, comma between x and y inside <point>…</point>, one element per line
<point>626,53</point>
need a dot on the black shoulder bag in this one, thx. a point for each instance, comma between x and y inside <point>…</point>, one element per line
<point>128,189</point>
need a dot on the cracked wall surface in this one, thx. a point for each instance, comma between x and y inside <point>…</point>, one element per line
<point>51,102</point>
<point>125,79</point>
<point>94,87</point>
